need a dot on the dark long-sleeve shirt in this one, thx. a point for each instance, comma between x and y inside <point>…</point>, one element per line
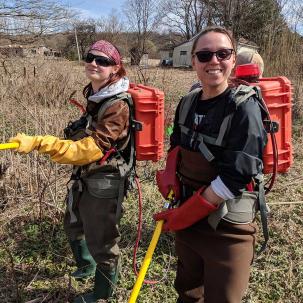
<point>241,158</point>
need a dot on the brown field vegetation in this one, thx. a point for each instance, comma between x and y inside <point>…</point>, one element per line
<point>35,260</point>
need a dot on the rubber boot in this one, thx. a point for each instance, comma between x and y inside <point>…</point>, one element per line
<point>85,262</point>
<point>105,282</point>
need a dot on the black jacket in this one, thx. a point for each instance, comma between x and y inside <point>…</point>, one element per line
<point>241,158</point>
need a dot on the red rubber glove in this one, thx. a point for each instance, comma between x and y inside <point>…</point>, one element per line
<point>190,212</point>
<point>167,178</point>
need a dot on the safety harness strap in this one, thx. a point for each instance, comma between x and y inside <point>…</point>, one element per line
<point>241,94</point>
<point>229,210</point>
<point>186,105</point>
<point>264,210</point>
<point>125,169</point>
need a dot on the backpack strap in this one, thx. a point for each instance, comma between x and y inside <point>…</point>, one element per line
<point>264,210</point>
<point>126,168</point>
<point>241,94</point>
<point>186,104</point>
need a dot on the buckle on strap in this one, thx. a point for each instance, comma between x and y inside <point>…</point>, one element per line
<point>205,151</point>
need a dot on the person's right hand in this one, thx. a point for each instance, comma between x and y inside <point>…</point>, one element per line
<point>26,143</point>
<point>191,211</point>
<point>79,152</point>
<point>167,178</point>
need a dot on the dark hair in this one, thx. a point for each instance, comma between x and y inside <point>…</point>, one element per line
<point>216,29</point>
<point>87,90</point>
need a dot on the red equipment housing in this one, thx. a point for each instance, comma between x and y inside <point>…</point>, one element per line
<point>149,110</point>
<point>277,94</point>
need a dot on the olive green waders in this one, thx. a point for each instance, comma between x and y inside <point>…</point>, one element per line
<point>94,216</point>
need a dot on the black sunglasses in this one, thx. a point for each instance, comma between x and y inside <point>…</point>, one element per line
<point>100,60</point>
<point>221,54</point>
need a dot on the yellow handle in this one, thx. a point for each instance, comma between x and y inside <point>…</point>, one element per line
<point>148,256</point>
<point>146,262</point>
<point>9,145</point>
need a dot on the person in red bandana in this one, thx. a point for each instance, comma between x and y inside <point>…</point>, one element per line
<point>98,146</point>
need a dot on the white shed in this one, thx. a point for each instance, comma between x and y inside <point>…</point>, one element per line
<point>182,54</point>
<point>166,53</point>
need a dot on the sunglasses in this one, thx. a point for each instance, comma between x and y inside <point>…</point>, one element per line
<point>221,54</point>
<point>100,60</point>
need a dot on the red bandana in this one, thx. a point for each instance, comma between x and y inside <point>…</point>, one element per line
<point>108,49</point>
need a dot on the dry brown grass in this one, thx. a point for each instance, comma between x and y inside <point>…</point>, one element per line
<point>34,257</point>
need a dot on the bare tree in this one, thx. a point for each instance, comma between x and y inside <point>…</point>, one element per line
<point>143,17</point>
<point>185,16</point>
<point>111,27</point>
<point>32,18</point>
<point>83,34</point>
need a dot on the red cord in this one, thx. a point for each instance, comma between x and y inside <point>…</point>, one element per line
<point>150,282</point>
<point>107,154</point>
<point>79,105</point>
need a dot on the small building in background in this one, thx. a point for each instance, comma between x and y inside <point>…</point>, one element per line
<point>28,51</point>
<point>182,54</point>
<point>12,50</point>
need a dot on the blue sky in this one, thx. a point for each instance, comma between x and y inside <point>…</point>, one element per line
<point>95,8</point>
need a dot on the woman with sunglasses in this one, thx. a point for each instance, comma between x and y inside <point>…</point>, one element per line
<point>243,57</point>
<point>212,177</point>
<point>98,145</point>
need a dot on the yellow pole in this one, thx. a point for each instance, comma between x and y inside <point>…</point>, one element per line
<point>148,256</point>
<point>9,145</point>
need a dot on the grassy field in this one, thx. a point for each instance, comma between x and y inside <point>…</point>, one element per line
<point>35,260</point>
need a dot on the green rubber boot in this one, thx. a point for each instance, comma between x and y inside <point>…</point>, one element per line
<point>85,262</point>
<point>105,282</point>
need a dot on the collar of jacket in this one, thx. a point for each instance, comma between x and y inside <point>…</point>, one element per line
<point>108,91</point>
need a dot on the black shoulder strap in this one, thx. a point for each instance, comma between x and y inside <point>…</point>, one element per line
<point>126,97</point>
<point>109,102</point>
<point>241,94</point>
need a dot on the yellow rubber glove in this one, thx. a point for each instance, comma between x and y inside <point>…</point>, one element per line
<point>79,152</point>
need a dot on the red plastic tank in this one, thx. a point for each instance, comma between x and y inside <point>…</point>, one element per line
<point>149,110</point>
<point>277,94</point>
